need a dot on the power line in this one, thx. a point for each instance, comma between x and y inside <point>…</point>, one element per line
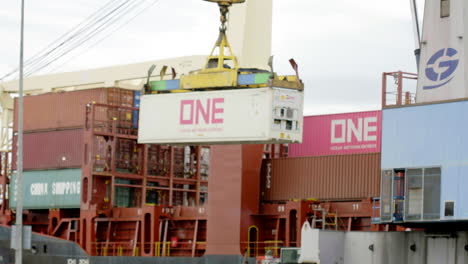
<point>106,36</point>
<point>84,32</point>
<point>77,27</point>
<point>77,34</point>
<point>109,20</point>
<point>76,38</point>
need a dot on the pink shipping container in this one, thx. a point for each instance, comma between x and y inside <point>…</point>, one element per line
<point>66,110</point>
<point>340,177</point>
<point>51,150</point>
<point>338,134</point>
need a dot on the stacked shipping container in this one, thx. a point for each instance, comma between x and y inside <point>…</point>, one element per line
<point>340,177</point>
<point>339,134</point>
<point>85,173</point>
<point>119,179</point>
<point>339,159</point>
<point>53,140</point>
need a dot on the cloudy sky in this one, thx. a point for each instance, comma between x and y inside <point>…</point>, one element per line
<point>341,46</point>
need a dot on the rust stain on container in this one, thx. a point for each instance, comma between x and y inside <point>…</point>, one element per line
<point>55,111</point>
<point>51,150</point>
<point>341,177</point>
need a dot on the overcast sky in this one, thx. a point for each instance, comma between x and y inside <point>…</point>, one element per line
<point>341,46</point>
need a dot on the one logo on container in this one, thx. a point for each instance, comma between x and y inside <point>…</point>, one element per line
<point>441,67</point>
<point>348,131</point>
<point>354,134</point>
<point>195,112</point>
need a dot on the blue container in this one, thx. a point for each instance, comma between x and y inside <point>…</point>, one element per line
<point>173,84</point>
<point>136,104</point>
<point>246,79</point>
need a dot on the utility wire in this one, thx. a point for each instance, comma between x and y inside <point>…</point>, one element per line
<point>117,15</point>
<point>95,43</point>
<point>77,39</point>
<point>75,35</point>
<point>84,32</point>
<point>81,27</point>
<point>77,27</point>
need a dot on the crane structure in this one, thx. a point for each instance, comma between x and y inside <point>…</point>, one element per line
<point>221,61</point>
<point>221,72</point>
<point>443,52</point>
<point>222,69</point>
<point>224,9</point>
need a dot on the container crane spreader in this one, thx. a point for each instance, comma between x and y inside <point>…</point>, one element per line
<point>222,103</point>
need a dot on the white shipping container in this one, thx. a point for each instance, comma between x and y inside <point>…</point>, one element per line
<point>263,115</point>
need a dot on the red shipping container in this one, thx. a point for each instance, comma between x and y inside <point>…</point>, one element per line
<point>51,150</point>
<point>66,110</point>
<point>349,133</point>
<point>55,149</point>
<point>340,177</point>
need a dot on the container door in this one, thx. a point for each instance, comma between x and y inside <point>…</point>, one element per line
<point>441,250</point>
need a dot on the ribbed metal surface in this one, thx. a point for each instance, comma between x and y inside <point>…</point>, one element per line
<point>233,196</point>
<point>224,117</point>
<point>51,150</point>
<point>337,134</point>
<point>47,189</point>
<point>341,177</point>
<point>55,111</point>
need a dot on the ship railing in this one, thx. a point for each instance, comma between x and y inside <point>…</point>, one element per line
<point>114,249</point>
<point>165,249</point>
<point>255,249</point>
<point>400,94</point>
<point>185,248</point>
<point>161,249</point>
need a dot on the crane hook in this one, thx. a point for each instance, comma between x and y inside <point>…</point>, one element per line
<point>224,9</point>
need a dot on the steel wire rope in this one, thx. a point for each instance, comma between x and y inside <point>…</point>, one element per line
<point>75,35</point>
<point>91,18</point>
<point>67,41</point>
<point>106,36</point>
<point>110,18</point>
<point>84,39</point>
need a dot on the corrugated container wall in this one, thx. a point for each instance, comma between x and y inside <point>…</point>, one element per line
<point>264,115</point>
<point>53,125</point>
<point>51,150</point>
<point>49,189</point>
<point>55,111</point>
<point>338,134</point>
<point>340,177</point>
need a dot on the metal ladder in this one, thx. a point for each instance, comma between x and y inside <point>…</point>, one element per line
<point>323,219</point>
